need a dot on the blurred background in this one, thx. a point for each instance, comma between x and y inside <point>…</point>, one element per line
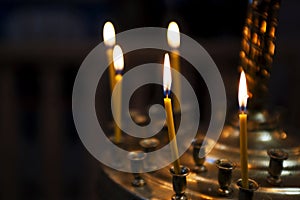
<point>42,44</point>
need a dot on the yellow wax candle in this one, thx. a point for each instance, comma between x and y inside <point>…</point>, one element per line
<point>243,149</point>
<point>117,101</point>
<point>118,105</point>
<point>177,84</point>
<point>173,37</point>
<point>172,136</point>
<point>242,97</point>
<point>169,113</point>
<point>109,38</point>
<point>111,69</point>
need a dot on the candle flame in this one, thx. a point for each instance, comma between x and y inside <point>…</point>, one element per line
<point>167,79</point>
<point>118,58</point>
<point>109,35</point>
<point>243,91</point>
<point>173,35</point>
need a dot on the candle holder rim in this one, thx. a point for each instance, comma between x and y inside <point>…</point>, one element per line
<point>184,171</point>
<point>140,119</point>
<point>231,164</point>
<point>149,143</point>
<point>273,153</point>
<point>139,155</point>
<point>253,185</point>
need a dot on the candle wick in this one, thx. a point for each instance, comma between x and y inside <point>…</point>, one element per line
<point>118,72</point>
<point>243,109</point>
<point>166,93</point>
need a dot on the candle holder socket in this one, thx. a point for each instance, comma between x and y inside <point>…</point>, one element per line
<point>136,162</point>
<point>277,156</point>
<point>225,176</point>
<point>149,145</point>
<point>199,147</point>
<point>179,183</point>
<point>247,193</point>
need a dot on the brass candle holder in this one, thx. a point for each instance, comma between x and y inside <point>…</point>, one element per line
<point>136,162</point>
<point>277,156</point>
<point>247,193</point>
<point>199,148</point>
<point>149,145</point>
<point>225,176</point>
<point>179,182</point>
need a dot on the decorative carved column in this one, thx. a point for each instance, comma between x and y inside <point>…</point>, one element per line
<point>258,48</point>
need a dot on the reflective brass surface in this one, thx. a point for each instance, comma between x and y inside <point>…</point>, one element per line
<point>206,186</point>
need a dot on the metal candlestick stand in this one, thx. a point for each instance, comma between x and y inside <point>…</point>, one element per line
<point>271,176</point>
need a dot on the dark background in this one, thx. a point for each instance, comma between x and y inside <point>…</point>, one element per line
<point>42,44</point>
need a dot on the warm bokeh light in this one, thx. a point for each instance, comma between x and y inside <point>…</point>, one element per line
<point>173,35</point>
<point>167,79</point>
<point>243,91</point>
<point>118,58</point>
<point>109,35</point>
<point>263,27</point>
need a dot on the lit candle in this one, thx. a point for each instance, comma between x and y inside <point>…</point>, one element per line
<point>173,37</point>
<point>167,79</point>
<point>242,97</point>
<point>109,38</point>
<point>118,65</point>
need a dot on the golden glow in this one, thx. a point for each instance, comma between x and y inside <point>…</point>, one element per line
<point>265,73</point>
<point>272,31</point>
<point>167,79</point>
<point>242,54</point>
<point>118,58</point>
<point>271,48</point>
<point>109,35</point>
<point>243,92</point>
<point>254,38</point>
<point>173,35</point>
<point>246,32</point>
<point>263,26</point>
<point>283,135</point>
